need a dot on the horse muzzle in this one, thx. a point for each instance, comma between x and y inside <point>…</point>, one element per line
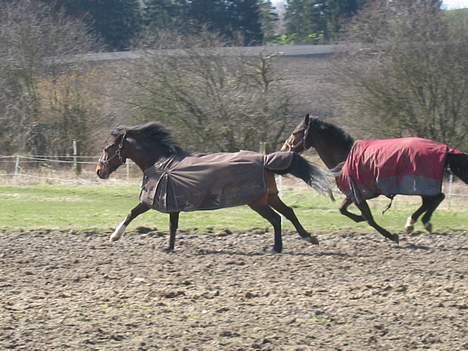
<point>288,145</point>
<point>285,147</point>
<point>101,171</point>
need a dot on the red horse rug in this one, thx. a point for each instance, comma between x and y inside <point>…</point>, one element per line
<point>407,166</point>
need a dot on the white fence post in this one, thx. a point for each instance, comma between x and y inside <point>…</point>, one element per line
<point>17,167</point>
<point>75,152</point>
<point>262,147</point>
<point>449,195</point>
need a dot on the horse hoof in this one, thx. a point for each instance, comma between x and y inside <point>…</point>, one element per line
<point>409,229</point>
<point>115,236</point>
<point>311,239</point>
<point>409,226</point>
<point>118,232</point>
<point>428,227</point>
<point>395,238</point>
<point>277,250</point>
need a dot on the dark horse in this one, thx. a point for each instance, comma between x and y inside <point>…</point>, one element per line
<point>365,169</point>
<point>152,149</point>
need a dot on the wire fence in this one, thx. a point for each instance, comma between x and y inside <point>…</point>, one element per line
<point>22,169</point>
<point>69,169</point>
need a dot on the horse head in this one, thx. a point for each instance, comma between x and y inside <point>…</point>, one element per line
<point>302,136</point>
<point>331,142</point>
<point>113,155</point>
<point>143,144</point>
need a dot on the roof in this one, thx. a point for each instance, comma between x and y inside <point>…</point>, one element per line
<point>283,50</point>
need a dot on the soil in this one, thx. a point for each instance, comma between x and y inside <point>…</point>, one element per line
<point>227,291</point>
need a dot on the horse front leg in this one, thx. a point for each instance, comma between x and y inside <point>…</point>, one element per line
<point>366,212</point>
<point>409,226</point>
<point>173,225</point>
<point>433,203</point>
<point>135,212</point>
<point>429,205</point>
<point>344,211</point>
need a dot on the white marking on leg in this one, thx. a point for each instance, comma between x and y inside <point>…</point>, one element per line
<point>117,234</point>
<point>409,226</point>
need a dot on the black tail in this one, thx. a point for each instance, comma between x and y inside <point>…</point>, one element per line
<point>458,164</point>
<point>311,174</point>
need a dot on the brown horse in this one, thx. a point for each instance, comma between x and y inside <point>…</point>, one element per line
<point>215,180</point>
<point>365,169</point>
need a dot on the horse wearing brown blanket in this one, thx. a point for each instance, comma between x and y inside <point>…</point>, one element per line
<point>175,180</point>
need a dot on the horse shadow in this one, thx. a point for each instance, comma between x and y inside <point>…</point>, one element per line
<point>411,246</point>
<point>266,253</point>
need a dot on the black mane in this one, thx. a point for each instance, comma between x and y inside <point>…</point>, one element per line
<point>153,134</point>
<point>332,132</point>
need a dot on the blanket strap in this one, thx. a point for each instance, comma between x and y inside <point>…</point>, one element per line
<point>389,205</point>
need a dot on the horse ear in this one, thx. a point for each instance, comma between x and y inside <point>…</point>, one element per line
<point>313,121</point>
<point>119,134</point>
<point>306,119</point>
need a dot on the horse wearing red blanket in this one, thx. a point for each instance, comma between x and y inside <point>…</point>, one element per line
<point>365,169</point>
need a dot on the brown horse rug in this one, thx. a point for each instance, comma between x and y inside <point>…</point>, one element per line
<point>209,181</point>
<point>407,166</point>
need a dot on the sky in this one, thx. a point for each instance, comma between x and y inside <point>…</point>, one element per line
<point>449,4</point>
<point>455,4</point>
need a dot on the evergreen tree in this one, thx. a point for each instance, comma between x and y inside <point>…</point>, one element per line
<point>230,18</point>
<point>116,22</point>
<point>245,18</point>
<point>300,21</point>
<point>269,19</point>
<point>316,21</point>
<point>210,14</point>
<point>165,15</point>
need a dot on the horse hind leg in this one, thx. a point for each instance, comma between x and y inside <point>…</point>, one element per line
<point>277,204</point>
<point>433,203</point>
<point>344,211</point>
<point>271,216</point>
<point>173,225</point>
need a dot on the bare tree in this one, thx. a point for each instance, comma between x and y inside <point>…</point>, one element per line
<point>34,40</point>
<point>410,74</point>
<point>69,107</point>
<point>213,98</point>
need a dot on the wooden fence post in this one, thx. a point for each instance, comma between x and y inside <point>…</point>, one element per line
<point>17,167</point>
<point>449,195</point>
<point>76,165</point>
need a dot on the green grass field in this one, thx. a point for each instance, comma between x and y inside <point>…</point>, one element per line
<point>101,207</point>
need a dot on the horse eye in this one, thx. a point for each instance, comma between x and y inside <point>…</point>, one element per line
<point>108,147</point>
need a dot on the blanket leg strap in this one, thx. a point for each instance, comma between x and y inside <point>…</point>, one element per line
<point>389,205</point>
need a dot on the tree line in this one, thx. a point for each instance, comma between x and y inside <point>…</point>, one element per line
<point>408,75</point>
<point>119,23</point>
